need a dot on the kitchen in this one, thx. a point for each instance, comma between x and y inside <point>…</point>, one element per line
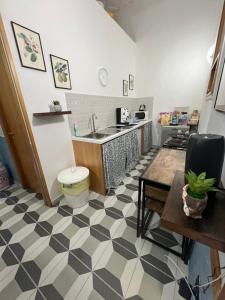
<point>113,97</point>
<point>112,126</point>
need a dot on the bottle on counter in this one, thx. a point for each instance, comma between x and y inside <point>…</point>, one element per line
<point>76,130</point>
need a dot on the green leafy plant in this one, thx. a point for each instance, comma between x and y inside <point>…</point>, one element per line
<point>198,186</point>
<point>56,102</point>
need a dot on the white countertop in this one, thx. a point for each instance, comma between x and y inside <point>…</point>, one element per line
<point>110,137</point>
<point>175,126</point>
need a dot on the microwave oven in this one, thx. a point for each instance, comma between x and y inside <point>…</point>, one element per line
<point>140,115</point>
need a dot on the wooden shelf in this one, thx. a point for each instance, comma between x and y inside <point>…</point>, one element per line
<point>52,113</point>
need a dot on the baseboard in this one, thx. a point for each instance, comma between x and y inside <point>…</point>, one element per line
<point>57,200</point>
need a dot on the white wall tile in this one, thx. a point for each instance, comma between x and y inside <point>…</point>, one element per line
<point>83,106</point>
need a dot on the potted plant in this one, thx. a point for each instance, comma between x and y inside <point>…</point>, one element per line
<point>55,106</point>
<point>195,193</point>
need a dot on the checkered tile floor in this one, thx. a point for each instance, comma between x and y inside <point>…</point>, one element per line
<point>87,253</point>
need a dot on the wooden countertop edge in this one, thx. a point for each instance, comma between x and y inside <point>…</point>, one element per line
<point>194,235</point>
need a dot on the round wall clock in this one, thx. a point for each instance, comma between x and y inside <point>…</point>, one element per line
<point>103,76</point>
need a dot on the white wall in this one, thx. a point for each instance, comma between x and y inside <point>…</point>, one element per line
<point>213,121</point>
<point>216,125</point>
<point>83,33</point>
<point>173,38</point>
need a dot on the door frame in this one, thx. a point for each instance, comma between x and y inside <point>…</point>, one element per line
<point>23,113</point>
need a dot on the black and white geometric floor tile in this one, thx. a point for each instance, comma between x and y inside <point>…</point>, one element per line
<point>86,253</point>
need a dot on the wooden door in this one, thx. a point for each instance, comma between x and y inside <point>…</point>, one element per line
<point>15,131</point>
<point>16,125</point>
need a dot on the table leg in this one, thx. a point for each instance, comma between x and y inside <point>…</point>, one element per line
<point>187,247</point>
<point>143,211</point>
<point>139,207</point>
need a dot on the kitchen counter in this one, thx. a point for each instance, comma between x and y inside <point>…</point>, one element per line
<point>111,136</point>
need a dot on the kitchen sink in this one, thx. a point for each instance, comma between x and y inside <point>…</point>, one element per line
<point>130,125</point>
<point>109,131</point>
<point>96,135</point>
<point>121,127</point>
<point>118,127</point>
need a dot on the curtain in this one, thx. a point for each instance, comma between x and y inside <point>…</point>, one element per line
<point>132,150</point>
<point>114,159</point>
<point>147,137</point>
<point>120,156</point>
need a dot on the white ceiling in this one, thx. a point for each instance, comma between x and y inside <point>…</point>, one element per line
<point>114,5</point>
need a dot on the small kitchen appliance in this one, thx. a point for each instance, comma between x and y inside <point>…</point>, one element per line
<point>140,115</point>
<point>122,115</point>
<point>142,107</point>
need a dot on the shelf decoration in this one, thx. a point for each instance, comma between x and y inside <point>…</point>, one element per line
<point>103,76</point>
<point>55,106</point>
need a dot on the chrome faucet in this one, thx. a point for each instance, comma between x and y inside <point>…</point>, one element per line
<point>93,118</point>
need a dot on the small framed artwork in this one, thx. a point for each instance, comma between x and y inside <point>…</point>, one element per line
<point>29,47</point>
<point>131,82</point>
<point>220,97</point>
<point>125,88</point>
<point>61,72</point>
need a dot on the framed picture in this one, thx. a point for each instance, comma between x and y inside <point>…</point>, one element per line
<point>29,47</point>
<point>61,72</point>
<point>131,82</point>
<point>220,97</point>
<point>125,88</point>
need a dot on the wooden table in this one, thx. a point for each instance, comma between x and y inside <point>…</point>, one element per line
<point>164,166</point>
<point>159,175</point>
<point>167,173</point>
<point>209,230</point>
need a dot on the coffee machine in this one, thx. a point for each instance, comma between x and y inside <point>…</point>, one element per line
<point>122,115</point>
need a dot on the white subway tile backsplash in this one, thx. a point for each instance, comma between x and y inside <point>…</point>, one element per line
<point>83,106</point>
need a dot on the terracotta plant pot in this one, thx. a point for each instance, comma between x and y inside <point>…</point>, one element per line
<point>193,207</point>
